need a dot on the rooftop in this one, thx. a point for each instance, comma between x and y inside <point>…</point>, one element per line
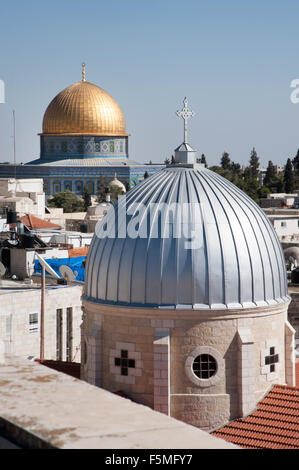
<point>274,424</point>
<point>32,222</point>
<point>50,418</point>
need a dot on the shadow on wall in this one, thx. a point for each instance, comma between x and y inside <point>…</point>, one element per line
<point>231,377</point>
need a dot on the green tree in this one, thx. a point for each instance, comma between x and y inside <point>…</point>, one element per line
<point>273,181</point>
<point>235,168</point>
<point>225,161</point>
<point>288,179</point>
<point>172,160</point>
<point>203,160</point>
<point>270,175</point>
<point>251,185</point>
<point>86,198</point>
<point>68,201</point>
<point>166,161</point>
<point>295,162</point>
<point>254,164</point>
<point>263,192</point>
<point>146,175</point>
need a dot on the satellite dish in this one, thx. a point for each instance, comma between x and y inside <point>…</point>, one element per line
<point>67,273</point>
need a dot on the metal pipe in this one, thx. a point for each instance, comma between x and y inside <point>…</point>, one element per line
<point>42,315</point>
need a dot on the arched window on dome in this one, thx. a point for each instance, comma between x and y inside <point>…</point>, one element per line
<point>79,187</point>
<point>90,187</point>
<point>56,187</point>
<point>68,186</point>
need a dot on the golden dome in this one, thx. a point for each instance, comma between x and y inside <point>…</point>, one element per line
<point>84,109</point>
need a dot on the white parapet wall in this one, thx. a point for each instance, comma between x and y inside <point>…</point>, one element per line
<point>40,407</point>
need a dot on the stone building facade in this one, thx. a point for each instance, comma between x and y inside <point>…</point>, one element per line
<point>20,320</point>
<point>164,346</point>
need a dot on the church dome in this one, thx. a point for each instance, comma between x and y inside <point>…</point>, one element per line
<point>84,109</point>
<point>234,260</point>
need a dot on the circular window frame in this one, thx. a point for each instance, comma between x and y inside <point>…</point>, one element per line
<point>214,379</point>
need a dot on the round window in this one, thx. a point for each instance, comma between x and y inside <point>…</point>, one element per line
<point>204,366</point>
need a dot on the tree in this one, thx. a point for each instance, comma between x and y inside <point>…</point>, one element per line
<point>68,201</point>
<point>225,161</point>
<point>288,179</point>
<point>251,185</point>
<point>263,192</point>
<point>86,198</point>
<point>166,161</point>
<point>172,160</point>
<point>295,162</point>
<point>146,175</point>
<point>254,164</point>
<point>203,160</point>
<point>270,175</point>
<point>235,168</point>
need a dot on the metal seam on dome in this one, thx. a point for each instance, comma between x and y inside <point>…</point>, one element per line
<point>232,232</point>
<point>234,194</point>
<point>157,187</point>
<point>173,183</point>
<point>275,245</point>
<point>196,174</point>
<point>189,187</point>
<point>207,285</point>
<point>143,191</point>
<point>162,197</point>
<point>245,237</point>
<point>251,206</point>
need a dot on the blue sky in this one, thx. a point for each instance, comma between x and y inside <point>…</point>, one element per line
<point>234,60</point>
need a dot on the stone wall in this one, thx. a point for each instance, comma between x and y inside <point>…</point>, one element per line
<point>206,403</point>
<point>22,338</point>
<point>293,313</point>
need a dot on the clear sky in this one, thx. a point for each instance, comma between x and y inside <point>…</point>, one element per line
<point>233,59</point>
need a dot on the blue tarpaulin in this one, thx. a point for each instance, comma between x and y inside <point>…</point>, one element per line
<point>76,264</point>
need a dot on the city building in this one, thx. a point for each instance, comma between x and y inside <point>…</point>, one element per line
<point>20,320</point>
<point>24,196</point>
<point>83,141</point>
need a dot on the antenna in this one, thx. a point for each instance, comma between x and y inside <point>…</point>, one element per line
<point>67,273</point>
<point>14,146</point>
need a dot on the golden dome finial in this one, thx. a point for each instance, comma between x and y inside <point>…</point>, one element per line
<point>83,71</point>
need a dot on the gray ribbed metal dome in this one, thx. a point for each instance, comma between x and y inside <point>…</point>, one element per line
<point>236,260</point>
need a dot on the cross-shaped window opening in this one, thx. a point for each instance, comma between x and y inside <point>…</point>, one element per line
<point>272,359</point>
<point>124,362</point>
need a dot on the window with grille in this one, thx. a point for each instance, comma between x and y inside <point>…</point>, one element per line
<point>69,333</point>
<point>33,322</point>
<point>204,366</point>
<point>59,334</point>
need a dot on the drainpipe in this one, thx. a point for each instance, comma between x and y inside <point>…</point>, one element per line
<point>42,315</point>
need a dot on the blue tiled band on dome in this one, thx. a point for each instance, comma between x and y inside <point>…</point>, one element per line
<point>54,147</point>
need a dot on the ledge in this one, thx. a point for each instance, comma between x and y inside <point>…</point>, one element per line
<point>42,408</point>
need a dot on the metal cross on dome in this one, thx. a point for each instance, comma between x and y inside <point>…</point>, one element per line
<point>185,114</point>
